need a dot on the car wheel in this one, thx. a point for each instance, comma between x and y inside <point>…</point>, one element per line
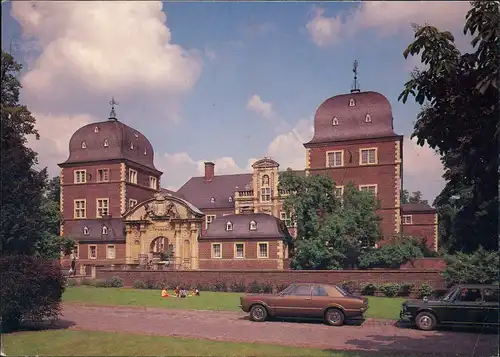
<point>258,313</point>
<point>334,317</point>
<point>426,321</point>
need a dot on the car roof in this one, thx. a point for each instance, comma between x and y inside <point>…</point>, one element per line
<point>478,286</point>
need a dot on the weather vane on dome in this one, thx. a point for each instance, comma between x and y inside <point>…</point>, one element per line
<point>355,83</point>
<point>112,114</point>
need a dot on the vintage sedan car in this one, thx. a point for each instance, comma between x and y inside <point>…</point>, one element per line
<point>323,301</point>
<point>462,305</point>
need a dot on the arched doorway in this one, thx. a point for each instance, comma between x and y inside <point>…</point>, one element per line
<point>158,246</point>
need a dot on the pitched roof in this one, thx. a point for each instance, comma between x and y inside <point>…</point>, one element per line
<point>417,207</point>
<point>116,230</point>
<point>199,192</point>
<point>267,226</point>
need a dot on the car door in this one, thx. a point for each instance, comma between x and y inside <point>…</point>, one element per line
<point>295,302</point>
<point>490,305</point>
<point>468,306</point>
<point>319,300</point>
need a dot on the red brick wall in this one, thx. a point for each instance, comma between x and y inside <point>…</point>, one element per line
<point>83,253</point>
<point>229,262</point>
<point>277,278</point>
<point>423,226</point>
<point>425,263</point>
<point>381,174</point>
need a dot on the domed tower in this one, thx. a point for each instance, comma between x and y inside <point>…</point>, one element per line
<point>110,169</point>
<point>354,141</point>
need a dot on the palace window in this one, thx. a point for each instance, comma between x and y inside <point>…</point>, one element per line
<point>96,129</point>
<point>80,208</point>
<point>102,207</point>
<point>286,218</point>
<point>352,102</point>
<point>136,135</point>
<point>239,250</point>
<point>263,249</point>
<point>265,180</point>
<point>84,145</point>
<point>86,231</point>
<point>106,143</point>
<point>368,118</point>
<point>335,158</point>
<point>216,250</point>
<point>229,226</point>
<point>152,182</point>
<point>230,199</point>
<point>80,176</point>
<point>131,146</point>
<point>75,251</point>
<point>212,200</point>
<point>339,192</point>
<point>93,251</point>
<point>110,252</point>
<point>369,188</point>
<point>145,151</point>
<point>253,226</point>
<point>131,203</point>
<point>132,176</point>
<point>265,194</point>
<point>104,230</point>
<point>407,219</point>
<point>102,175</point>
<point>209,219</point>
<point>335,121</point>
<point>367,156</point>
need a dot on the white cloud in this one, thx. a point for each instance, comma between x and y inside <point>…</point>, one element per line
<point>386,18</point>
<point>256,104</point>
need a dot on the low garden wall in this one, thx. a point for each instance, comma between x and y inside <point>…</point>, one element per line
<point>275,278</point>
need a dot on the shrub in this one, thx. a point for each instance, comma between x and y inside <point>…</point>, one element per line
<point>406,289</point>
<point>425,290</point>
<point>368,289</point>
<point>392,255</point>
<point>281,287</point>
<point>390,289</point>
<point>220,286</point>
<point>114,282</point>
<point>139,284</point>
<point>238,287</point>
<point>267,288</point>
<point>31,290</point>
<point>349,286</point>
<point>254,288</point>
<point>480,267</point>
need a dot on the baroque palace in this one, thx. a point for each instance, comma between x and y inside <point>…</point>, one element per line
<point>116,211</point>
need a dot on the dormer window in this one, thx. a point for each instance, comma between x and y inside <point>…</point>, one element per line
<point>335,121</point>
<point>352,102</point>
<point>212,200</point>
<point>131,146</point>
<point>145,152</point>
<point>230,199</point>
<point>229,226</point>
<point>96,129</point>
<point>86,231</point>
<point>136,135</point>
<point>253,226</point>
<point>368,118</point>
<point>104,230</point>
<point>106,143</point>
<point>84,145</point>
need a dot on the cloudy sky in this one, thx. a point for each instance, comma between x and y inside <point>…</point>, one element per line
<point>225,82</point>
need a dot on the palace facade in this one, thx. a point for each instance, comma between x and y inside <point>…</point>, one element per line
<point>114,207</point>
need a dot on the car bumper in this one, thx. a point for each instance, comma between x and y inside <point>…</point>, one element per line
<point>405,316</point>
<point>243,308</point>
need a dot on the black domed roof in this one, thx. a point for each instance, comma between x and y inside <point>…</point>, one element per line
<point>110,140</point>
<point>353,116</point>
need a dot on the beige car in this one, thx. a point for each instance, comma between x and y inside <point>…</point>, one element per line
<point>322,301</point>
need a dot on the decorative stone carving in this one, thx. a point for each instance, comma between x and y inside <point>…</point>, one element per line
<point>161,208</point>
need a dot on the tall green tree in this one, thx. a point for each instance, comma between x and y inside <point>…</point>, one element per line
<point>414,197</point>
<point>331,232</point>
<point>459,119</point>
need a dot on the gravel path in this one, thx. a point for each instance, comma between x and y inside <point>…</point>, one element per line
<point>374,335</point>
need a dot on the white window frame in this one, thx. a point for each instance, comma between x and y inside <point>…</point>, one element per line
<point>80,212</point>
<point>259,256</point>
<point>252,225</point>
<point>366,188</point>
<point>285,218</point>
<point>84,144</point>
<point>352,102</point>
<point>153,182</point>
<point>101,207</point>
<point>90,251</point>
<point>209,218</point>
<point>80,176</point>
<point>132,176</point>
<point>212,251</point>
<point>236,255</point>
<point>131,203</point>
<point>407,219</point>
<point>229,226</point>
<point>86,231</point>
<point>368,118</point>
<point>334,162</point>
<point>265,194</point>
<point>104,230</point>
<point>102,175</point>
<point>106,143</point>
<point>368,161</point>
<point>341,189</point>
<point>110,256</point>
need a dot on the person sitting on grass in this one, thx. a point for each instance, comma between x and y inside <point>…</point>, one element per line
<point>196,292</point>
<point>177,291</point>
<point>183,293</point>
<point>164,292</point>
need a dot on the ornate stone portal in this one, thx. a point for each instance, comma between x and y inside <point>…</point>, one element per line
<point>163,228</point>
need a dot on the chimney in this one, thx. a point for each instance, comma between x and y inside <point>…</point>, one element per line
<point>209,171</point>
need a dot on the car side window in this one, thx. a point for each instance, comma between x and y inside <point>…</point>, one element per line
<point>491,295</point>
<point>300,290</point>
<point>319,291</point>
<point>469,295</point>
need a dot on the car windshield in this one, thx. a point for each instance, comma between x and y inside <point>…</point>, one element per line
<point>345,293</point>
<point>449,294</point>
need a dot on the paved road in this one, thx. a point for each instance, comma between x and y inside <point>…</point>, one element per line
<point>233,326</point>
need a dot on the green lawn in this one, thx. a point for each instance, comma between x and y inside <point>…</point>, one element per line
<point>93,343</point>
<point>380,307</point>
